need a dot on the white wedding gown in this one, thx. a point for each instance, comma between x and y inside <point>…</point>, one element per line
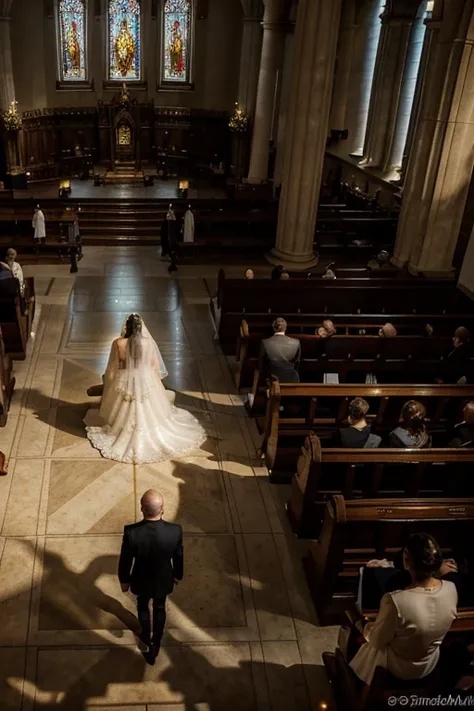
<point>137,421</point>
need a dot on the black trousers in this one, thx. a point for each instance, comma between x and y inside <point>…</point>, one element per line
<point>159,617</point>
<point>73,259</point>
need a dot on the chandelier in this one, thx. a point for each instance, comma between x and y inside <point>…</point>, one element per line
<point>239,121</point>
<point>11,118</point>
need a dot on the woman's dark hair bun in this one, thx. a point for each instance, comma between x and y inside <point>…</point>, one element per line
<point>425,555</point>
<point>132,325</point>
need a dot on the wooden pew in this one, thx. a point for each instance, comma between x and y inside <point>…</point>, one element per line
<point>257,325</point>
<point>354,532</point>
<point>294,410</point>
<point>7,384</point>
<point>16,316</point>
<point>352,357</point>
<point>372,473</point>
<point>342,296</point>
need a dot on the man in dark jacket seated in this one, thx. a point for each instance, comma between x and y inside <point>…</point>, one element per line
<point>10,287</point>
<point>458,365</point>
<point>463,433</point>
<point>6,278</point>
<point>280,355</point>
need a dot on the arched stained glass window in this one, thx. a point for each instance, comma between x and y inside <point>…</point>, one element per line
<point>124,40</point>
<point>177,41</point>
<point>72,40</point>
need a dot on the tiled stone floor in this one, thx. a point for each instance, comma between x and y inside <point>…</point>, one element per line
<point>241,632</point>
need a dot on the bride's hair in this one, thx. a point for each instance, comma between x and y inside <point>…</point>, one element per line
<point>132,326</point>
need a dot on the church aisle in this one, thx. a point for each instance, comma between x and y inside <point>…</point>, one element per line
<point>241,633</point>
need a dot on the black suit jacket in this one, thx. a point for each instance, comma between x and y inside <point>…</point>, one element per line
<point>458,364</point>
<point>151,557</point>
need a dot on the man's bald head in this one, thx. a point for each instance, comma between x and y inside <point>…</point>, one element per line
<point>388,330</point>
<point>152,504</point>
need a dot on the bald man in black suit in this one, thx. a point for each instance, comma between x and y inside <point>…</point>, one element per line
<point>151,563</point>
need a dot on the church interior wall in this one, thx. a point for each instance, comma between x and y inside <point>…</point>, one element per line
<point>215,67</point>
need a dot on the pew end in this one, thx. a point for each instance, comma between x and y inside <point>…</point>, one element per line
<point>7,385</point>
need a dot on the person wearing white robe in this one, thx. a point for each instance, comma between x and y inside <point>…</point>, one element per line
<point>188,226</point>
<point>39,224</point>
<point>14,267</point>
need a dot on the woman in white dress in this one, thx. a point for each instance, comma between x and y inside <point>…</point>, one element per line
<point>411,624</point>
<point>138,421</point>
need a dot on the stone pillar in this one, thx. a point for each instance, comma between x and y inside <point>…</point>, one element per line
<point>342,74</point>
<point>251,48</point>
<point>315,42</point>
<point>270,65</point>
<point>392,55</point>
<point>442,159</point>
<point>366,37</point>
<point>406,100</point>
<point>415,111</point>
<point>7,87</point>
<point>286,80</point>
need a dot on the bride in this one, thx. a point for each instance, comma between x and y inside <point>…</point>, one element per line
<point>138,422</point>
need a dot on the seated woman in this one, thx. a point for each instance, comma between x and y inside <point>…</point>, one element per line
<point>406,636</point>
<point>358,433</point>
<point>411,432</point>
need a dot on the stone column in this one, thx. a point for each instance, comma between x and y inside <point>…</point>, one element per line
<point>442,158</point>
<point>285,84</point>
<point>315,42</point>
<point>406,99</point>
<point>251,48</point>
<point>270,64</point>
<point>342,75</point>
<point>7,87</point>
<point>366,37</point>
<point>415,111</point>
<point>390,66</point>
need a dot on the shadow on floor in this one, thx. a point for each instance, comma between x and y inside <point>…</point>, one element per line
<point>66,679</point>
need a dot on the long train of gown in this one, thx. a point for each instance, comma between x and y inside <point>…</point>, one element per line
<point>143,428</point>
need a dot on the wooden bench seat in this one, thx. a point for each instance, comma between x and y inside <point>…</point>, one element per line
<point>341,296</point>
<point>354,532</point>
<point>372,473</point>
<point>294,410</point>
<point>7,384</point>
<point>258,325</point>
<point>401,359</point>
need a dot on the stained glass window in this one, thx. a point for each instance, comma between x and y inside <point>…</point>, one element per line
<point>177,35</point>
<point>72,40</point>
<point>124,40</point>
